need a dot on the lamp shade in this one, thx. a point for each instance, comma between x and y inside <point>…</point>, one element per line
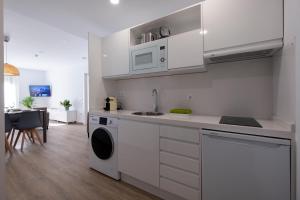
<point>10,70</point>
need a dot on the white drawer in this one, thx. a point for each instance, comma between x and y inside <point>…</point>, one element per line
<point>181,148</point>
<point>180,133</point>
<point>180,162</point>
<point>180,176</point>
<point>179,190</point>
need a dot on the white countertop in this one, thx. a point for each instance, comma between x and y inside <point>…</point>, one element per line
<point>271,128</point>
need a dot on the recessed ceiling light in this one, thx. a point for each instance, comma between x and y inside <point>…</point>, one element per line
<point>115,2</point>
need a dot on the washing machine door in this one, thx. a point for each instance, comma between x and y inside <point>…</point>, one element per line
<point>102,143</point>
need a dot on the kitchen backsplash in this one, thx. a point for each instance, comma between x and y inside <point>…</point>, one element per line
<point>239,88</point>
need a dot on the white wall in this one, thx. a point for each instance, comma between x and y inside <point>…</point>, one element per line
<point>286,83</point>
<point>284,69</point>
<point>68,83</point>
<point>240,88</point>
<point>298,113</point>
<point>99,88</point>
<point>297,26</point>
<point>33,77</point>
<point>2,194</point>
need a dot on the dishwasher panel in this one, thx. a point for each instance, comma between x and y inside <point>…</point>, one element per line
<point>244,167</point>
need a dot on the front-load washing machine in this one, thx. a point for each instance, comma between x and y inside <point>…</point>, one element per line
<point>103,142</point>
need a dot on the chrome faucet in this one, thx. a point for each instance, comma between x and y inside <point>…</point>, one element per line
<point>155,100</point>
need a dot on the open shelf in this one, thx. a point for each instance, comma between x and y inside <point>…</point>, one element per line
<point>182,21</point>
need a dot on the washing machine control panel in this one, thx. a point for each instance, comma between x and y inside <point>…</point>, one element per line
<point>103,121</point>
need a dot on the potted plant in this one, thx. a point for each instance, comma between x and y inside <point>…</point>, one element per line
<point>66,103</point>
<point>27,102</point>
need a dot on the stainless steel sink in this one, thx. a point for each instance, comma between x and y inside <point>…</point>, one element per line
<point>148,113</point>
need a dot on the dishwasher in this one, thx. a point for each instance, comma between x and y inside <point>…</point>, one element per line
<point>245,167</point>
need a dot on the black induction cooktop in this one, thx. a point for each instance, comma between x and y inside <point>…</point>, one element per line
<point>240,121</point>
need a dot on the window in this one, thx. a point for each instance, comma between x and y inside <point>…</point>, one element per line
<point>11,92</point>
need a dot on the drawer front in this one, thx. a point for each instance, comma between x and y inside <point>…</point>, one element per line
<point>181,148</point>
<point>180,162</point>
<point>180,176</point>
<point>179,190</point>
<point>179,133</point>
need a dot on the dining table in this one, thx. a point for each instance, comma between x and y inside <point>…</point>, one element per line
<point>14,115</point>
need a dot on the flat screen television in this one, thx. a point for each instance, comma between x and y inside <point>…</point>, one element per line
<point>40,90</point>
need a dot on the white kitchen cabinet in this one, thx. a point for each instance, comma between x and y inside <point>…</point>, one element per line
<point>185,50</point>
<point>180,148</point>
<point>180,161</point>
<point>115,54</point>
<point>65,116</point>
<point>138,150</point>
<point>234,23</point>
<point>179,189</point>
<point>184,134</point>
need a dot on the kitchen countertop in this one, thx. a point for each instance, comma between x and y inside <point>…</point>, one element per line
<point>271,128</point>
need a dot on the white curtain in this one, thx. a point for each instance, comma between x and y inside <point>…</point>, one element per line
<point>11,92</point>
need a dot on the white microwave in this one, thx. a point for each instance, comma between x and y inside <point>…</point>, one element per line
<point>149,57</point>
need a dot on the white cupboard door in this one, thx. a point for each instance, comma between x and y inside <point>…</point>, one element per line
<point>138,150</point>
<point>185,50</point>
<point>115,54</point>
<point>232,23</point>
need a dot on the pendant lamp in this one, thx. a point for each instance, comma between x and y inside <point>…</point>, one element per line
<point>9,70</point>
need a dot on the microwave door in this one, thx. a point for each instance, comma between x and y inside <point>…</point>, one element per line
<point>143,59</point>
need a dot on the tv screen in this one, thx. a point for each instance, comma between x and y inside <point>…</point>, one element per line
<point>40,90</point>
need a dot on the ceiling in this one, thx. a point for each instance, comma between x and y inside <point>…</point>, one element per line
<point>35,45</point>
<point>98,16</point>
<point>47,34</point>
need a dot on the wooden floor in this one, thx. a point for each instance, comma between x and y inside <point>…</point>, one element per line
<point>60,171</point>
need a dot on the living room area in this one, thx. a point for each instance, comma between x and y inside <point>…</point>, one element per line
<point>51,68</point>
<point>45,90</point>
<point>46,71</point>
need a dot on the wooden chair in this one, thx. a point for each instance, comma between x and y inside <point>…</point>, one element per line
<point>27,124</point>
<point>8,128</point>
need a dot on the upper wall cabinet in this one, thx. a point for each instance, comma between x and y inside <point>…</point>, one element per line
<point>173,43</point>
<point>115,54</point>
<point>185,50</point>
<point>169,45</point>
<point>234,27</point>
<point>211,31</point>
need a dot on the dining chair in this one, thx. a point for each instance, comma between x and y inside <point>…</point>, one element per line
<point>14,117</point>
<point>27,124</point>
<point>8,128</point>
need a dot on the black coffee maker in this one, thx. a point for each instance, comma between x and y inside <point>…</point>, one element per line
<point>107,104</point>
